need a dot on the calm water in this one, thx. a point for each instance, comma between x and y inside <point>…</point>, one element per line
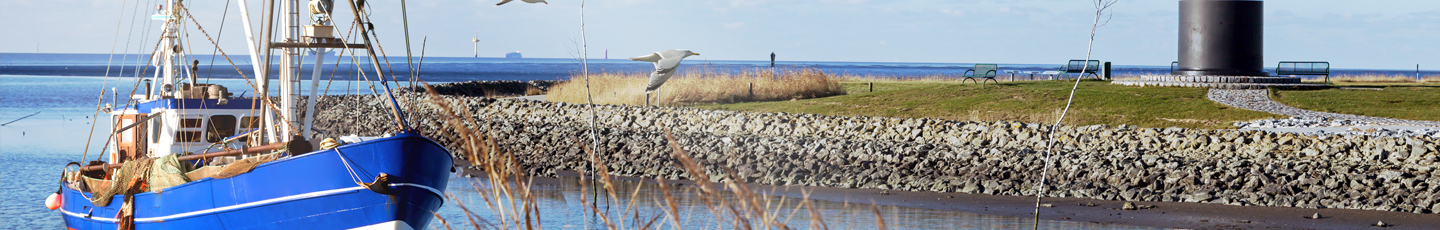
<point>451,69</point>
<point>33,150</point>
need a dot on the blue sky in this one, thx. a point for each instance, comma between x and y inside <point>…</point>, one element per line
<point>1382,34</point>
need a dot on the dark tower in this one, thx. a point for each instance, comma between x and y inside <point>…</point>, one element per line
<point>1222,38</point>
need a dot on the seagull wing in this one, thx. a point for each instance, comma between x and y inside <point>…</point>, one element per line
<point>669,61</point>
<point>665,67</point>
<point>657,79</point>
<point>653,57</point>
<point>502,2</point>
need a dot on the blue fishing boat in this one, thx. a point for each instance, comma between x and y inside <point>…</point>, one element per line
<point>186,155</point>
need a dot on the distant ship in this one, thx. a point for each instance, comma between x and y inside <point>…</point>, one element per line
<point>515,54</point>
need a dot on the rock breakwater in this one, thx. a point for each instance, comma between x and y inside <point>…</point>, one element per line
<point>1003,158</point>
<point>487,88</point>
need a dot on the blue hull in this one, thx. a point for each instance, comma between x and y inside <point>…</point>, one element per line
<point>310,191</point>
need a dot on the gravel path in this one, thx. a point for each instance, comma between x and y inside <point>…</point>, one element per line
<point>1259,100</point>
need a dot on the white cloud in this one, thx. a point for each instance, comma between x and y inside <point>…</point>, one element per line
<point>843,1</point>
<point>734,25</point>
<point>953,12</point>
<point>746,3</point>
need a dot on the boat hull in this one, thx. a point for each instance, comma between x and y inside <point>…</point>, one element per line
<point>316,190</point>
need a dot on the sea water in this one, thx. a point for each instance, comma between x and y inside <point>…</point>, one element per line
<point>453,69</point>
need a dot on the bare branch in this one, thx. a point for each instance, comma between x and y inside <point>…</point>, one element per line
<point>1101,6</point>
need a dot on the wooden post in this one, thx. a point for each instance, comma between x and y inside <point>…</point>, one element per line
<point>752,90</point>
<point>872,86</point>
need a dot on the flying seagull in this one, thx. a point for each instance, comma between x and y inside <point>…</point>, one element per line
<point>665,64</point>
<point>502,2</point>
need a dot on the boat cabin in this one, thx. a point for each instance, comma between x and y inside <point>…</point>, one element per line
<point>195,119</point>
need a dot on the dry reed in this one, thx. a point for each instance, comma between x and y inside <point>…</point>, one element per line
<point>531,90</point>
<point>703,86</point>
<point>514,204</point>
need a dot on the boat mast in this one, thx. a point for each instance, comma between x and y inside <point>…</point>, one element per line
<point>290,58</point>
<point>171,46</point>
<point>319,31</point>
<point>260,61</point>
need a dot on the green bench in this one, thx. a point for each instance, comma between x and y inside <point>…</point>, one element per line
<point>1304,68</point>
<point>981,73</point>
<point>1082,67</point>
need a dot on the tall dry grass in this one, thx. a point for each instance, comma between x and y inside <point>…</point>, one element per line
<point>514,204</point>
<point>704,86</point>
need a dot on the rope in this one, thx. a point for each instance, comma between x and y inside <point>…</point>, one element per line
<point>223,16</point>
<point>354,177</point>
<point>266,100</point>
<point>113,43</point>
<point>336,68</point>
<point>127,105</point>
<point>130,175</point>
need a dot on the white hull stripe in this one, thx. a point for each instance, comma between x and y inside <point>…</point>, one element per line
<point>253,204</point>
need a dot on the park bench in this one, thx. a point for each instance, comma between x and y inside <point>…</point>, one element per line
<point>1304,68</point>
<point>1082,67</point>
<point>985,72</point>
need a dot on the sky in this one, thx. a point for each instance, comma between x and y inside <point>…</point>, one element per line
<point>1377,34</point>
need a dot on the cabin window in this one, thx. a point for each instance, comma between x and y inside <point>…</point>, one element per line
<point>247,124</point>
<point>190,122</point>
<point>155,129</point>
<point>127,136</point>
<point>187,136</point>
<point>219,127</point>
<point>250,122</point>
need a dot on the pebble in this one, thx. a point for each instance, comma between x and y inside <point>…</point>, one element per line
<point>1259,100</point>
<point>1381,224</point>
<point>1324,122</point>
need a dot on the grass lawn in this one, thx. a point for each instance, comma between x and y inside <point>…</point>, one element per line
<point>1414,101</point>
<point>1096,102</point>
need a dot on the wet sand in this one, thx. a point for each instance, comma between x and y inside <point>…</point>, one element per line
<point>1163,215</point>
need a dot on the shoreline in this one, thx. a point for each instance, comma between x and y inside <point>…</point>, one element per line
<point>1175,215</point>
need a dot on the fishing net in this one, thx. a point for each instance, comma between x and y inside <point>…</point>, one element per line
<point>166,172</point>
<point>129,179</point>
<point>244,166</point>
<point>157,174</point>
